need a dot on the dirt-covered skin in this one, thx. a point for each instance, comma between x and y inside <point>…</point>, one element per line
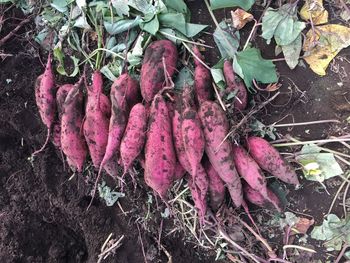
<point>271,161</point>
<point>271,201</point>
<point>152,77</point>
<point>160,158</point>
<point>72,139</point>
<point>215,128</point>
<point>241,98</point>
<point>202,79</point>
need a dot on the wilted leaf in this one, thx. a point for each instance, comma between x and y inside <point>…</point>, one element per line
<point>302,225</point>
<point>245,4</point>
<point>226,40</point>
<point>59,55</point>
<point>334,231</point>
<point>121,25</point>
<point>81,22</point>
<point>324,44</point>
<point>291,52</point>
<point>110,196</point>
<point>249,65</point>
<point>282,24</point>
<point>318,166</point>
<point>314,10</point>
<point>184,77</point>
<point>240,18</point>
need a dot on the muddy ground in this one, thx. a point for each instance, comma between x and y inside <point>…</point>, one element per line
<point>43,216</point>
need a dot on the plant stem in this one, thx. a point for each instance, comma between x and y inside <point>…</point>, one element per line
<point>304,123</point>
<point>309,142</point>
<point>193,54</point>
<point>184,40</point>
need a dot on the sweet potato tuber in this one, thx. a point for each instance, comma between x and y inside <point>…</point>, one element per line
<point>216,186</point>
<point>241,98</point>
<point>249,170</point>
<point>134,137</point>
<point>96,121</point>
<point>202,80</point>
<point>270,160</point>
<point>160,159</point>
<point>72,140</point>
<point>45,92</point>
<point>254,197</point>
<point>215,128</point>
<point>152,71</point>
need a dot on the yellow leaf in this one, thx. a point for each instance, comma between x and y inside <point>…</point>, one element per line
<point>240,18</point>
<point>313,9</point>
<point>323,44</point>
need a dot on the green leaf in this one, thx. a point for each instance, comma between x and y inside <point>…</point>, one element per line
<point>194,29</point>
<point>59,55</point>
<point>177,5</point>
<point>173,20</point>
<point>249,65</point>
<point>245,4</point>
<point>318,166</point>
<point>226,40</point>
<point>121,25</point>
<point>142,5</point>
<point>333,231</point>
<point>218,77</point>
<point>282,24</point>
<point>121,6</point>
<point>61,5</point>
<point>152,26</point>
<point>291,52</point>
<point>184,77</point>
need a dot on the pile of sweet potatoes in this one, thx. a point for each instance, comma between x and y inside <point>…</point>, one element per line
<point>183,136</point>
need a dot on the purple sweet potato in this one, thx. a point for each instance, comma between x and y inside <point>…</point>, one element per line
<point>269,159</point>
<point>216,186</point>
<point>152,71</point>
<point>134,136</point>
<point>254,197</point>
<point>193,138</point>
<point>241,98</point>
<point>45,91</point>
<point>72,139</point>
<point>96,121</point>
<point>160,159</point>
<point>198,185</point>
<point>179,171</point>
<point>202,79</point>
<point>249,170</point>
<point>129,90</point>
<point>219,151</point>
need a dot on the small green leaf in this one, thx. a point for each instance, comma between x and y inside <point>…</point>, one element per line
<point>106,193</point>
<point>291,52</point>
<point>226,40</point>
<point>245,4</point>
<point>178,5</point>
<point>152,26</point>
<point>218,77</point>
<point>184,77</point>
<point>194,29</point>
<point>249,65</point>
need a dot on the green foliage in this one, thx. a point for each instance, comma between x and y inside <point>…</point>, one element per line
<point>245,4</point>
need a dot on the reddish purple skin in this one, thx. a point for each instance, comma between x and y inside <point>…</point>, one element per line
<point>45,92</point>
<point>152,71</point>
<point>134,136</point>
<point>199,187</point>
<point>232,85</point>
<point>269,159</point>
<point>160,158</point>
<point>96,122</point>
<point>202,80</point>
<point>56,135</point>
<point>61,96</point>
<point>117,123</point>
<point>249,170</point>
<point>129,90</point>
<point>179,171</point>
<point>254,197</point>
<point>179,142</point>
<point>216,186</point>
<point>215,128</point>
<point>193,138</point>
<point>72,140</point>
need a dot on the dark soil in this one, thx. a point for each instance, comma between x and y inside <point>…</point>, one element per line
<point>44,217</point>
